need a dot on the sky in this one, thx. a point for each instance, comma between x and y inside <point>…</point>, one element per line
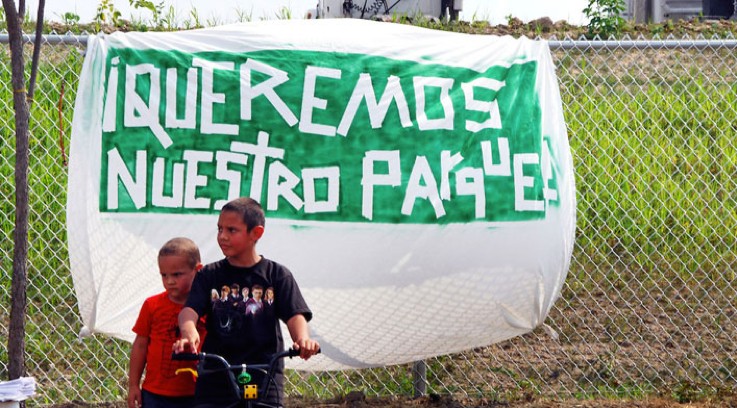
<point>227,11</point>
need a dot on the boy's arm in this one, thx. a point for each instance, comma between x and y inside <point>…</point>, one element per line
<point>300,334</point>
<point>135,371</point>
<point>190,338</point>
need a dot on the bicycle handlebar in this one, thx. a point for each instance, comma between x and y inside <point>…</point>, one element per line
<point>224,366</point>
<point>185,356</point>
<point>210,356</point>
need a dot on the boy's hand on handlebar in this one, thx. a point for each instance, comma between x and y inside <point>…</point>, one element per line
<point>307,348</point>
<point>186,345</point>
<point>189,341</point>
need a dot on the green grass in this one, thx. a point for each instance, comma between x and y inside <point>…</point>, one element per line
<point>658,171</point>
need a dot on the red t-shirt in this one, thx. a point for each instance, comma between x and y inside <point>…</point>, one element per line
<point>158,320</point>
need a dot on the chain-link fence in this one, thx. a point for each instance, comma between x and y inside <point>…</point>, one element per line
<point>649,302</point>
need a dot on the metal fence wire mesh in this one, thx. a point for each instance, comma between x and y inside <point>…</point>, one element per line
<point>649,302</point>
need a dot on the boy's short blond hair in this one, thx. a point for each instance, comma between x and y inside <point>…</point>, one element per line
<point>182,247</point>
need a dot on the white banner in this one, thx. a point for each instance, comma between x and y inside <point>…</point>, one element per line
<point>418,183</point>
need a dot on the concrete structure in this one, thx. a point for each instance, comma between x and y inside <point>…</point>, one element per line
<point>657,11</point>
<point>376,8</point>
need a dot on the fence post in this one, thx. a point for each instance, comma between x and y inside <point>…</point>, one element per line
<point>657,11</point>
<point>419,378</point>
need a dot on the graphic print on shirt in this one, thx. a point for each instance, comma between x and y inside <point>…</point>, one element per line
<point>170,333</point>
<point>235,308</point>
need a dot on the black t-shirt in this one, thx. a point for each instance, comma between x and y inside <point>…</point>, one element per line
<point>243,307</point>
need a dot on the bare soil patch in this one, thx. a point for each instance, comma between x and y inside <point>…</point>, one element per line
<point>358,400</point>
<point>448,402</point>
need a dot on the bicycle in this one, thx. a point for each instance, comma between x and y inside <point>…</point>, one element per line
<point>245,394</point>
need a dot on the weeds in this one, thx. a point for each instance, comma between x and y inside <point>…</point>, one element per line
<point>107,13</point>
<point>605,17</point>
<point>70,19</point>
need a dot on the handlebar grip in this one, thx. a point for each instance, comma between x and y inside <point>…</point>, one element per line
<point>185,356</point>
<point>295,353</point>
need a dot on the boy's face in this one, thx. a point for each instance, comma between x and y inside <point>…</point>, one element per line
<point>257,293</point>
<point>234,238</point>
<point>177,276</point>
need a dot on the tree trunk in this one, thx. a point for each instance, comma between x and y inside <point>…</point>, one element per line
<point>16,332</point>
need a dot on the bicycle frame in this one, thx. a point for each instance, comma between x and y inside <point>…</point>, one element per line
<point>243,393</point>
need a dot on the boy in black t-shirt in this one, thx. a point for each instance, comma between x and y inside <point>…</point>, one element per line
<point>241,333</point>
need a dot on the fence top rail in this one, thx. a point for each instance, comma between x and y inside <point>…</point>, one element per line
<point>54,39</point>
<point>566,44</point>
<point>699,44</point>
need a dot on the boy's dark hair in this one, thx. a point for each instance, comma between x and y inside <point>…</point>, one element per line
<point>249,209</point>
<point>184,247</point>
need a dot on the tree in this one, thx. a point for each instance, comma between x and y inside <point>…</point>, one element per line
<point>605,17</point>
<point>22,99</point>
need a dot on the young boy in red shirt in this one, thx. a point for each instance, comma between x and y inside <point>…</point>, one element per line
<point>157,329</point>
